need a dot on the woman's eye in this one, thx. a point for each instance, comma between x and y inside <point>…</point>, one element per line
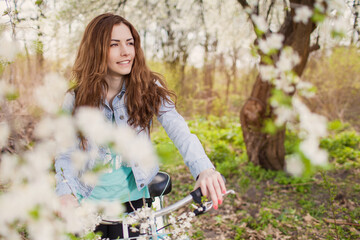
<point>113,45</point>
<point>131,43</point>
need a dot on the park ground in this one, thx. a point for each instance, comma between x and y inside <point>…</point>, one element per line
<point>269,204</point>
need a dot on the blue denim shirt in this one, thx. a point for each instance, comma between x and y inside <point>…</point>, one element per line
<point>175,126</point>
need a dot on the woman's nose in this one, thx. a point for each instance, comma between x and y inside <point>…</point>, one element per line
<point>124,51</point>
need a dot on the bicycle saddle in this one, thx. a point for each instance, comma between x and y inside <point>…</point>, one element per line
<point>160,185</point>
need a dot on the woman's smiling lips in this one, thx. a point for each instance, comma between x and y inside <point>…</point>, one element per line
<point>123,62</point>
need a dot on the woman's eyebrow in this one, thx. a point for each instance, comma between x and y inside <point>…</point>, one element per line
<point>117,40</point>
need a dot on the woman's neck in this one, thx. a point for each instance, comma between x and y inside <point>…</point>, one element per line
<point>115,86</point>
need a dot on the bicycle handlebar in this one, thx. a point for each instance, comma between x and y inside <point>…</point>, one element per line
<point>193,196</point>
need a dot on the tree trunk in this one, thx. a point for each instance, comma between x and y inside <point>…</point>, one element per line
<point>265,149</point>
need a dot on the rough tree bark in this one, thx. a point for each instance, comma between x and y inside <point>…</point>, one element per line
<point>265,149</point>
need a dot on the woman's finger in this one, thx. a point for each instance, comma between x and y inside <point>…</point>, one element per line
<point>217,189</point>
<point>213,195</point>
<point>203,187</point>
<point>222,184</point>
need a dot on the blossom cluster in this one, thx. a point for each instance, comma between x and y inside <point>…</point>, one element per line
<point>144,218</point>
<point>28,204</point>
<point>311,126</point>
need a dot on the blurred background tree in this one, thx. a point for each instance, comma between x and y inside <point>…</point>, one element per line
<point>204,48</point>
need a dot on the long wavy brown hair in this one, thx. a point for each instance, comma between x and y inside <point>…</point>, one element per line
<point>143,95</point>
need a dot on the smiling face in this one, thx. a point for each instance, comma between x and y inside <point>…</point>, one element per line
<point>121,52</point>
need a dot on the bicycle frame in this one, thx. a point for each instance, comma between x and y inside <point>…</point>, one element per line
<point>153,229</point>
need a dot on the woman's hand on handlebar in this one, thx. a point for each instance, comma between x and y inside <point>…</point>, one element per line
<point>212,186</point>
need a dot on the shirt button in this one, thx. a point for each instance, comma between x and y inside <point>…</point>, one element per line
<point>141,185</point>
<point>122,117</point>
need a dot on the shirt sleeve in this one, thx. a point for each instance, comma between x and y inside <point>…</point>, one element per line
<point>187,143</point>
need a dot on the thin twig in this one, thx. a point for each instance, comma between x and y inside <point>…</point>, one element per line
<point>292,185</point>
<point>340,222</point>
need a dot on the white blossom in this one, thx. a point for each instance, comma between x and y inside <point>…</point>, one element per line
<point>283,84</point>
<point>313,127</point>
<point>304,88</point>
<point>49,96</point>
<point>268,72</point>
<point>274,41</point>
<point>111,209</point>
<point>82,219</point>
<point>93,125</point>
<point>294,165</point>
<point>283,115</point>
<point>60,129</point>
<point>78,159</point>
<point>6,89</point>
<point>310,147</point>
<point>90,178</point>
<point>302,14</point>
<point>4,133</point>
<point>340,26</point>
<point>260,22</point>
<point>39,162</point>
<point>8,166</point>
<point>311,123</point>
<point>339,6</point>
<point>9,49</point>
<point>288,59</point>
<point>135,148</point>
<point>319,4</point>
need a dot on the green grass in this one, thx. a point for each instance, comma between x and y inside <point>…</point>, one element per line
<point>273,198</point>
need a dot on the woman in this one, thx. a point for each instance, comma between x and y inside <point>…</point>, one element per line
<point>111,74</point>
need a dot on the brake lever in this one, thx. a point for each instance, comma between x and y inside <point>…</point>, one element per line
<point>206,206</point>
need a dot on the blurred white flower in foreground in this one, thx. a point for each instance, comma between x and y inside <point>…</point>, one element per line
<point>135,148</point>
<point>283,114</point>
<point>274,41</point>
<point>8,49</point>
<point>268,72</point>
<point>6,89</point>
<point>4,133</point>
<point>260,22</point>
<point>317,156</point>
<point>49,96</point>
<point>305,89</point>
<point>340,26</point>
<point>294,165</point>
<point>338,5</point>
<point>302,14</point>
<point>313,127</point>
<point>8,164</point>
<point>79,159</point>
<point>288,59</point>
<point>92,124</point>
<point>61,130</point>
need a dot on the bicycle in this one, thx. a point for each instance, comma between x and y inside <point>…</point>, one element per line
<point>158,188</point>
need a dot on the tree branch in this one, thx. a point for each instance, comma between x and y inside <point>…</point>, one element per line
<point>244,3</point>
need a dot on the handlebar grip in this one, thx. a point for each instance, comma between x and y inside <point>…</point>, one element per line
<point>197,194</point>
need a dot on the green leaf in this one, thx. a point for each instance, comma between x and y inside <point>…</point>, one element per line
<point>280,98</point>
<point>270,127</point>
<point>12,96</point>
<point>258,32</point>
<point>318,16</point>
<point>35,212</point>
<point>337,34</point>
<point>266,59</point>
<point>38,2</point>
